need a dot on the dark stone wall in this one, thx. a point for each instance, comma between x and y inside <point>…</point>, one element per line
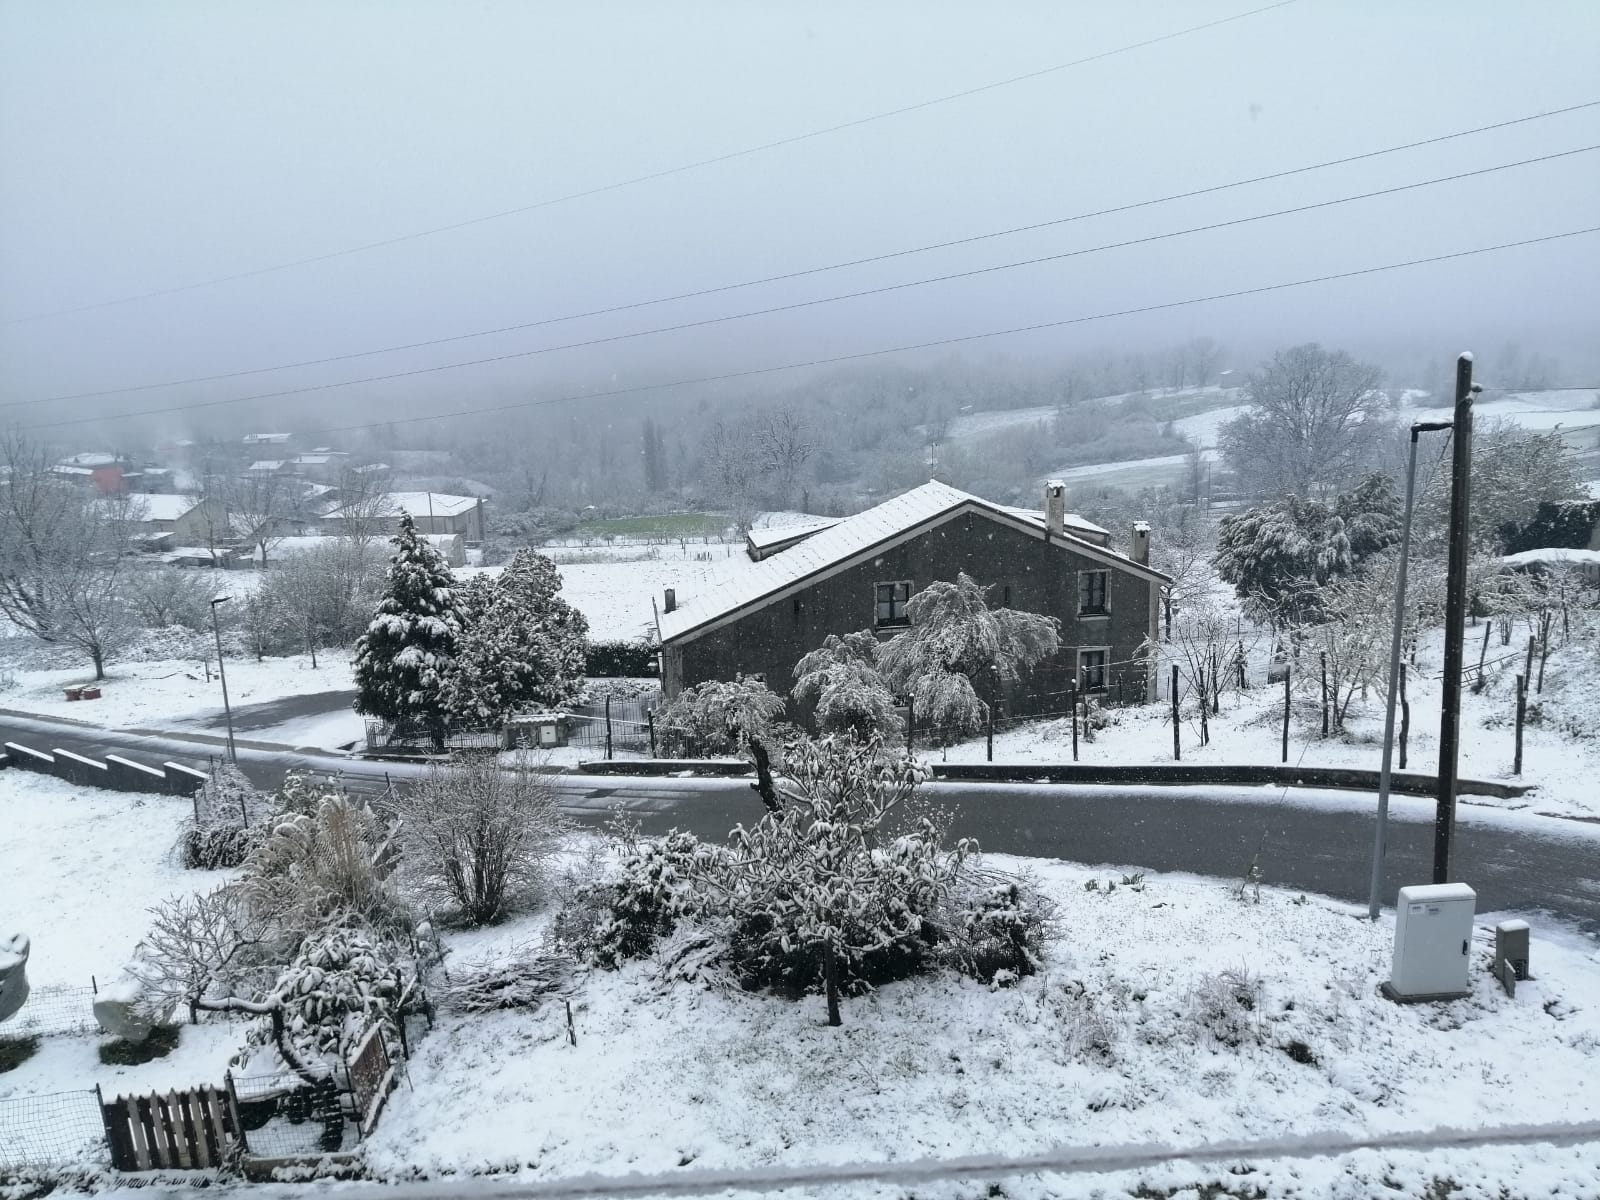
<point>1022,571</point>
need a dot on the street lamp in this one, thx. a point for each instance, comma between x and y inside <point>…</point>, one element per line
<point>216,628</point>
<point>1374,900</point>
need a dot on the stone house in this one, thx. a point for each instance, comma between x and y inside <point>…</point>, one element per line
<point>859,572</point>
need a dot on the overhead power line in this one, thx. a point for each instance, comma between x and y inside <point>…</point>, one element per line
<point>651,176</point>
<point>811,271</point>
<point>975,272</point>
<point>841,358</point>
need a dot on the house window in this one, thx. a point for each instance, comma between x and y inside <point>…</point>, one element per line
<point>1092,670</point>
<point>892,600</point>
<point>1092,587</point>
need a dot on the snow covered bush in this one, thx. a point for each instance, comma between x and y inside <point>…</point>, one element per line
<point>341,983</point>
<point>211,946</point>
<point>717,718</point>
<point>229,821</point>
<point>524,648</point>
<point>656,888</point>
<point>841,683</point>
<point>478,839</point>
<point>998,932</point>
<point>314,866</point>
<point>1222,1007</point>
<point>404,659</point>
<point>958,651</point>
<point>163,597</point>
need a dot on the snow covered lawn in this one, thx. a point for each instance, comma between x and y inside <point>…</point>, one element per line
<point>81,868</point>
<point>1169,1012</point>
<point>171,692</point>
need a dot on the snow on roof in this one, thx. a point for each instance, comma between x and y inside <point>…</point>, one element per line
<point>64,469</point>
<point>421,504</point>
<point>94,458</point>
<point>253,438</point>
<point>313,460</point>
<point>773,535</point>
<point>162,508</point>
<point>1553,554</point>
<point>267,464</point>
<point>856,536</point>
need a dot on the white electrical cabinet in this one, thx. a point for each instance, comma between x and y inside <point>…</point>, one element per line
<point>1432,942</point>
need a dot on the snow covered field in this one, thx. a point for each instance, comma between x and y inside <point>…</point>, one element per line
<point>1169,1012</point>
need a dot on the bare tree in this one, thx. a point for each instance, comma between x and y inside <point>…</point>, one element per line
<point>1316,418</point>
<point>732,462</point>
<point>257,504</point>
<point>366,511</point>
<point>61,554</point>
<point>785,447</point>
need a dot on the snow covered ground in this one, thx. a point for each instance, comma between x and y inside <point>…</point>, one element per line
<point>1169,1012</point>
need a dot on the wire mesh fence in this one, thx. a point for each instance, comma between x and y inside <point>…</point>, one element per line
<point>51,1130</point>
<point>284,1116</point>
<point>55,1010</point>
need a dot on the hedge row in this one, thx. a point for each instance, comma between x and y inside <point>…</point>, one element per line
<point>620,660</point>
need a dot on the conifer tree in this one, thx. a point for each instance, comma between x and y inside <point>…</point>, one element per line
<point>525,649</point>
<point>404,659</point>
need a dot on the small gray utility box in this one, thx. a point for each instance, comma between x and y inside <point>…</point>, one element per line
<point>1432,942</point>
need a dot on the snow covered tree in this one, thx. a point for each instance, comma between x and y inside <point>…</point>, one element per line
<point>524,649</point>
<point>1514,470</point>
<point>841,682</point>
<point>404,659</point>
<point>1315,417</point>
<point>959,653</point>
<point>717,718</point>
<point>1279,556</point>
<point>821,896</point>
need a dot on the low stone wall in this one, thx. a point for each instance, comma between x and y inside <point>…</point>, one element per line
<point>114,771</point>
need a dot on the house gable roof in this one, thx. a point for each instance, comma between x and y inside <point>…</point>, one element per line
<point>854,540</point>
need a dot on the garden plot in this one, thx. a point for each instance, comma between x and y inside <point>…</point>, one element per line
<point>1170,1011</point>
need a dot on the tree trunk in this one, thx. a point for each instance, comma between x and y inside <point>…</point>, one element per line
<point>99,656</point>
<point>830,974</point>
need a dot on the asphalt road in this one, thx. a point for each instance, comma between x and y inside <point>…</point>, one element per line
<point>267,713</point>
<point>1318,842</point>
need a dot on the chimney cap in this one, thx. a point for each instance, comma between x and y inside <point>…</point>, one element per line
<point>1141,526</point>
<point>1054,484</point>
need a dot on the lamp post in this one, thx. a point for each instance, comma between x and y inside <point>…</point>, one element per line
<point>222,674</point>
<point>1375,899</point>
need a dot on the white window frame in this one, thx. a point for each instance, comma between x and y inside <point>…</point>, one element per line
<point>1095,613</point>
<point>903,622</point>
<point>1105,669</point>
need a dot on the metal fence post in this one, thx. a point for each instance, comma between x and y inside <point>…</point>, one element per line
<point>911,724</point>
<point>1287,670</point>
<point>1522,708</point>
<point>650,719</point>
<point>608,727</point>
<point>1177,745</point>
<point>989,751</point>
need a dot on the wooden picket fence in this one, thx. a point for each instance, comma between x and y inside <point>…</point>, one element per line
<point>193,1129</point>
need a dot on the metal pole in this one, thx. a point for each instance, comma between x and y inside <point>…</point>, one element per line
<point>222,674</point>
<point>1385,773</point>
<point>1455,620</point>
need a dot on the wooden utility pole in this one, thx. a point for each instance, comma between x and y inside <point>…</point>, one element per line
<point>1455,620</point>
<point>1522,712</point>
<point>1177,749</point>
<point>1286,672</point>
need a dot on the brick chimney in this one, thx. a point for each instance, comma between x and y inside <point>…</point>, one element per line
<point>670,600</point>
<point>1141,543</point>
<point>1055,508</point>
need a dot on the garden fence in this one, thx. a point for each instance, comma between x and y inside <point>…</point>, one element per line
<point>54,1010</point>
<point>52,1130</point>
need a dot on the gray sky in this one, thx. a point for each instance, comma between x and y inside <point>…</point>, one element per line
<point>150,145</point>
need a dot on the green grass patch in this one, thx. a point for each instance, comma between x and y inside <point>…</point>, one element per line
<point>163,1040</point>
<point>16,1051</point>
<point>657,525</point>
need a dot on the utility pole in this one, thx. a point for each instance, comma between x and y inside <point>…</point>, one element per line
<point>222,674</point>
<point>1455,618</point>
